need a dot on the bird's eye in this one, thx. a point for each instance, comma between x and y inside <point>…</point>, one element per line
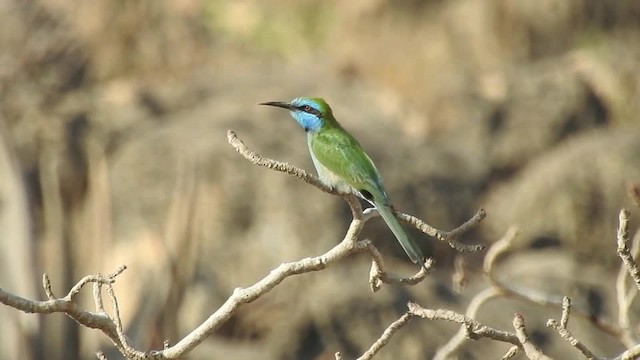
<point>306,108</point>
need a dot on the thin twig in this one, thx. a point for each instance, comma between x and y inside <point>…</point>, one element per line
<point>447,350</point>
<point>378,275</point>
<point>118,322</point>
<point>67,306</point>
<point>46,284</point>
<point>97,298</point>
<point>257,159</point>
<point>450,237</point>
<point>386,336</point>
<point>477,329</point>
<point>623,247</point>
<point>563,331</point>
<point>459,277</point>
<point>625,297</point>
<point>631,354</point>
<point>511,353</point>
<point>532,351</point>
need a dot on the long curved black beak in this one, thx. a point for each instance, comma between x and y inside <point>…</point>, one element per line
<point>279,104</point>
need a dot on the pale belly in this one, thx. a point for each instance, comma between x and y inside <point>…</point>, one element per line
<point>328,177</point>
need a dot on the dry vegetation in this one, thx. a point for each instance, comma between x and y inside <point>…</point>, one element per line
<point>113,150</point>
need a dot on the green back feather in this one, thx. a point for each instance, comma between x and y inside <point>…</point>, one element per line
<point>343,155</point>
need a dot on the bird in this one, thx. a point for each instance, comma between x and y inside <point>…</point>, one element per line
<point>342,163</point>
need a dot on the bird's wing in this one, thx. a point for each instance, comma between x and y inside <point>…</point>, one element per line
<point>341,154</point>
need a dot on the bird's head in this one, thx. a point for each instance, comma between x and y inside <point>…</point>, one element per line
<point>310,113</point>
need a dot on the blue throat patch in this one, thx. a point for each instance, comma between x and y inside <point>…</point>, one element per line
<point>309,122</point>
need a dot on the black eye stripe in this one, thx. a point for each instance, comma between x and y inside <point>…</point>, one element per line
<point>310,110</point>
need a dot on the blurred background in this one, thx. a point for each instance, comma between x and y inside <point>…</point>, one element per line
<point>113,120</point>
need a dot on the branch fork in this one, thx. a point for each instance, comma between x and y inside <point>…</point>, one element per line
<point>111,325</point>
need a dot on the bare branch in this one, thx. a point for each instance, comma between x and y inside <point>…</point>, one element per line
<point>378,275</point>
<point>476,328</point>
<point>67,306</point>
<point>46,284</point>
<point>532,351</point>
<point>623,247</point>
<point>566,312</point>
<point>447,350</point>
<point>257,159</point>
<point>112,325</point>
<point>118,322</point>
<point>243,296</point>
<point>496,250</point>
<point>97,298</point>
<point>511,353</point>
<point>386,336</point>
<point>449,237</point>
<point>109,279</point>
<point>634,193</point>
<point>631,354</point>
<point>561,328</point>
<point>459,277</point>
<point>625,297</point>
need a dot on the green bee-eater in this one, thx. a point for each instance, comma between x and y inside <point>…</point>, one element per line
<point>342,163</point>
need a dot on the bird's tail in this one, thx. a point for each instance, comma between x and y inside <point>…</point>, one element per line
<point>408,245</point>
